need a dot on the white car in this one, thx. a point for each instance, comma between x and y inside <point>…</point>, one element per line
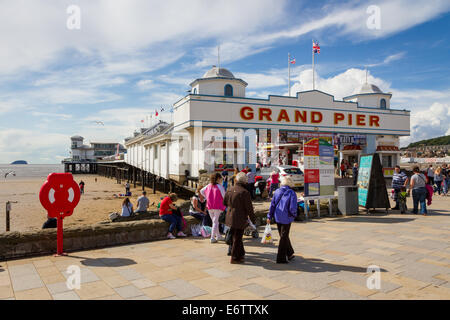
<point>294,172</point>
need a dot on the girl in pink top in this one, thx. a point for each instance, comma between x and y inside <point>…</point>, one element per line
<point>214,194</point>
<point>275,182</point>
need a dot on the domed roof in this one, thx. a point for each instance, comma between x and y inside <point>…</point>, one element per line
<point>216,72</point>
<point>369,88</point>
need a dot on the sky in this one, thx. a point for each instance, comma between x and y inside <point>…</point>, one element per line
<point>124,59</point>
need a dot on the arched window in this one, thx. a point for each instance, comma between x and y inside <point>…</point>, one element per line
<point>383,104</point>
<point>228,90</point>
<point>195,91</point>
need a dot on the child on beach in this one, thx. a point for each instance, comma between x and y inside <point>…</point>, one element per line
<point>402,200</point>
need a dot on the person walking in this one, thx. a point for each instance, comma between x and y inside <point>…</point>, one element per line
<point>446,181</point>
<point>233,178</point>
<point>239,209</point>
<point>251,183</point>
<point>81,184</point>
<point>430,174</point>
<point>225,179</point>
<point>355,173</point>
<point>438,178</point>
<point>283,209</point>
<point>343,168</point>
<point>127,188</point>
<point>167,213</point>
<point>399,180</point>
<point>214,194</point>
<point>419,191</point>
<point>274,182</point>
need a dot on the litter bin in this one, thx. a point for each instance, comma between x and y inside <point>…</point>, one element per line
<point>348,200</point>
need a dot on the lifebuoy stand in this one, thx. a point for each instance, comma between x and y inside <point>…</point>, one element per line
<point>59,195</point>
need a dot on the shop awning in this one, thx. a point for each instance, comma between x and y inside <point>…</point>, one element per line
<point>387,148</point>
<point>352,147</point>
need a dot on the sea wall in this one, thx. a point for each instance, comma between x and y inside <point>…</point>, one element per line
<point>22,244</point>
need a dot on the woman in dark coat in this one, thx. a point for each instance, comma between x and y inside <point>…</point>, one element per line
<point>239,208</point>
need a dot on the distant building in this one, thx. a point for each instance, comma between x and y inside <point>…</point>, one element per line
<point>94,151</point>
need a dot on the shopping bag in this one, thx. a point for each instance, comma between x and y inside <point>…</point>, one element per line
<point>196,230</point>
<point>206,231</point>
<point>267,237</point>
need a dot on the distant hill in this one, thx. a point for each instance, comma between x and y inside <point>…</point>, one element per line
<point>439,141</point>
<point>19,162</point>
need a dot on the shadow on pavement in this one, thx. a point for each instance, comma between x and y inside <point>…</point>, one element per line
<point>106,262</point>
<point>374,219</point>
<point>268,261</point>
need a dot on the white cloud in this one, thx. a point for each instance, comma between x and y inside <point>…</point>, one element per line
<point>31,145</point>
<point>428,123</point>
<point>145,84</point>
<point>388,59</point>
<point>341,85</point>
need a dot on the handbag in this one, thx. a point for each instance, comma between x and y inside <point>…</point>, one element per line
<point>228,236</point>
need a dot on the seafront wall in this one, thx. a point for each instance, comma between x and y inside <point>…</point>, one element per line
<point>21,244</point>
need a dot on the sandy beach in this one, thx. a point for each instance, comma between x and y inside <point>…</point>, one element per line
<point>95,205</point>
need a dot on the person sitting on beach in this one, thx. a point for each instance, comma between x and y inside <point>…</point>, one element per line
<point>143,203</point>
<point>127,208</point>
<point>167,213</point>
<point>198,208</point>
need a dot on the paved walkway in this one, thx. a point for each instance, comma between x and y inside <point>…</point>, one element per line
<point>332,259</point>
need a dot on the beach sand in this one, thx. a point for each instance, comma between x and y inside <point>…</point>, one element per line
<point>94,206</point>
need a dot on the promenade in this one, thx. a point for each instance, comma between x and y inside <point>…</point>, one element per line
<point>332,256</point>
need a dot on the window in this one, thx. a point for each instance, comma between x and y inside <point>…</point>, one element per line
<point>228,90</point>
<point>383,104</point>
<point>387,162</point>
<point>195,91</point>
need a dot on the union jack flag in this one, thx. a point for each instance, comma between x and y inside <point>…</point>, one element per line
<point>316,47</point>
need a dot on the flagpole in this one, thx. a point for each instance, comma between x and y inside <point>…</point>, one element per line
<point>314,85</point>
<point>289,74</point>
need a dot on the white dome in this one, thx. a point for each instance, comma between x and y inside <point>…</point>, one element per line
<point>216,72</point>
<point>369,88</point>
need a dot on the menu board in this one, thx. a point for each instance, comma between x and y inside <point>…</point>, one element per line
<point>318,162</point>
<point>365,168</point>
<point>372,191</point>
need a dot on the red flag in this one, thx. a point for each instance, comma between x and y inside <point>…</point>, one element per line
<point>293,61</point>
<point>142,121</point>
<point>156,112</point>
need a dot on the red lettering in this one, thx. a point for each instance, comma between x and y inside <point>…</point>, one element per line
<point>283,116</point>
<point>360,119</point>
<point>350,119</point>
<point>338,117</point>
<point>316,117</point>
<point>300,116</point>
<point>374,121</point>
<point>247,113</point>
<point>265,113</point>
